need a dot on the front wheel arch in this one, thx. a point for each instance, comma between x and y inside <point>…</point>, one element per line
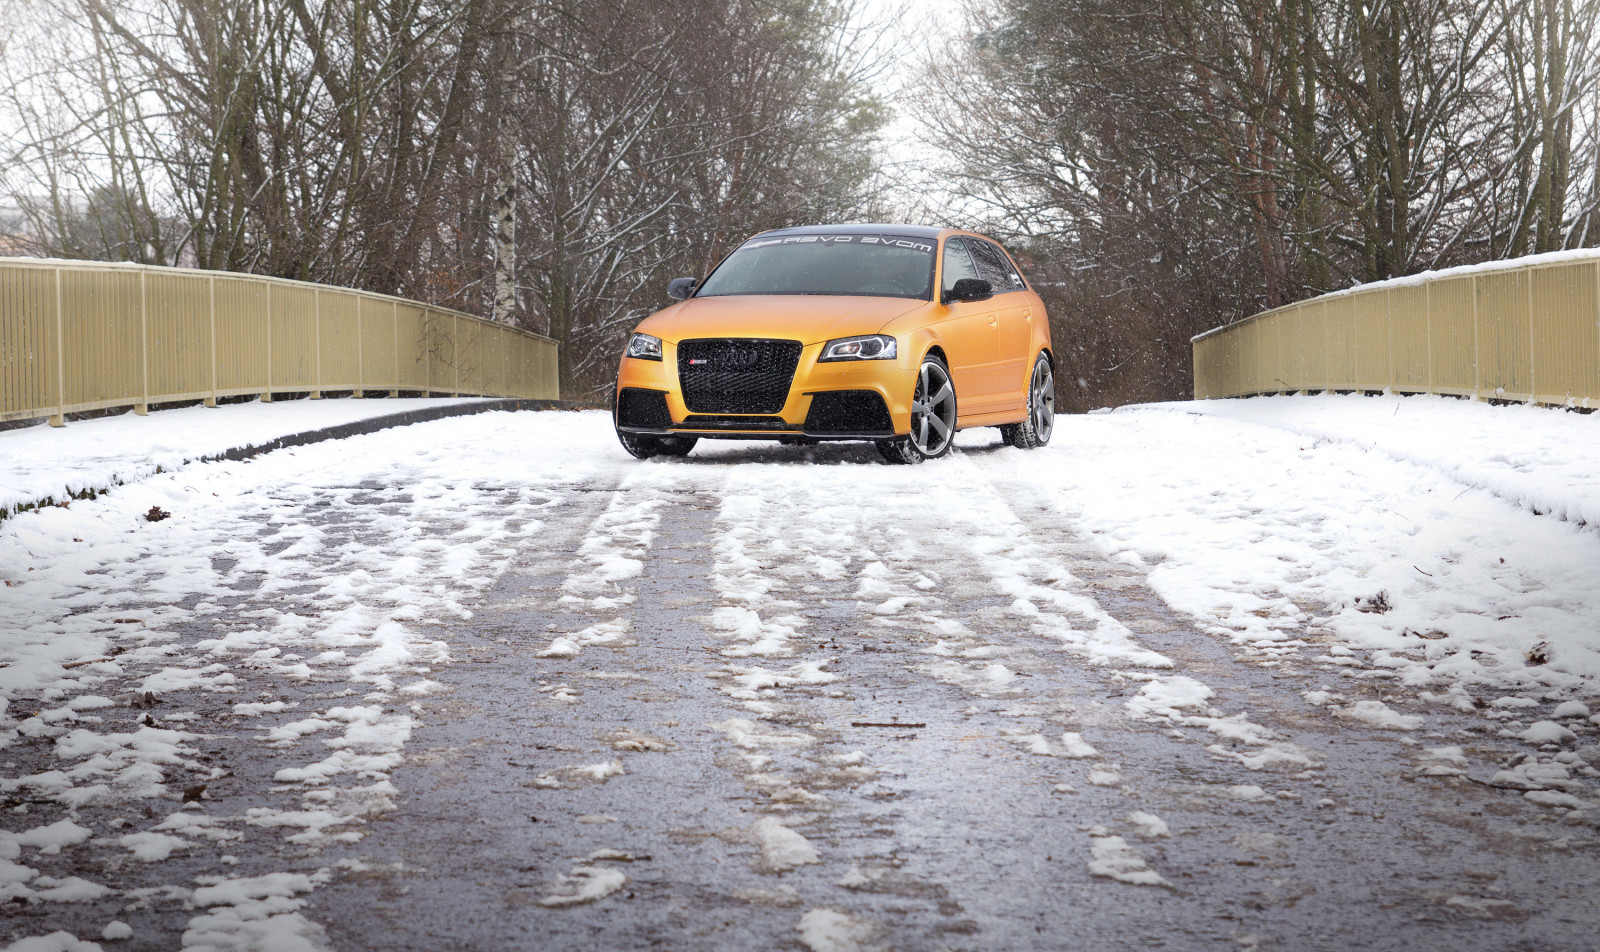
<point>935,410</point>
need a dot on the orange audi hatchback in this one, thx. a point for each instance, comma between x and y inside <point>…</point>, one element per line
<point>897,334</point>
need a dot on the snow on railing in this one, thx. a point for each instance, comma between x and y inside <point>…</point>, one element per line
<point>1524,330</point>
<point>78,336</point>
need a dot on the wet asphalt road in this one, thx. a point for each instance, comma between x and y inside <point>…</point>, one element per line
<point>746,717</point>
<point>951,834</point>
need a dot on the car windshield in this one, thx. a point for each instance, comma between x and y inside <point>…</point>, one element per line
<point>864,265</point>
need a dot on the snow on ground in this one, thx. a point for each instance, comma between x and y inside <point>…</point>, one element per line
<point>827,930</point>
<point>1433,541</point>
<point>1543,460</point>
<point>102,611</point>
<point>1433,545</point>
<point>1113,858</point>
<point>47,463</point>
<point>588,884</point>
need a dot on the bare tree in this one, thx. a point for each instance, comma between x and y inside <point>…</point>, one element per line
<point>549,163</point>
<point>1177,164</point>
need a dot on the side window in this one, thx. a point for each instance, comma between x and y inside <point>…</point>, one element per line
<point>995,267</point>
<point>957,264</point>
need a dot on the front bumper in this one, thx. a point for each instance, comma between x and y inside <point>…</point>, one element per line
<point>893,381</point>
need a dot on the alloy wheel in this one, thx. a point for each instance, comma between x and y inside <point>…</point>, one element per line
<point>1042,402</point>
<point>933,410</point>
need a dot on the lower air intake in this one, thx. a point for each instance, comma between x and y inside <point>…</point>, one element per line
<point>645,409</point>
<point>849,411</point>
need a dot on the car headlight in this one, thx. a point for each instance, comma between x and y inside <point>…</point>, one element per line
<point>870,347</point>
<point>644,347</point>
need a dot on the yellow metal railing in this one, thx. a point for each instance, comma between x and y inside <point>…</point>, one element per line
<point>1525,330</point>
<point>80,336</point>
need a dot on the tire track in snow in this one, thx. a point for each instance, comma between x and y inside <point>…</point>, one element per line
<point>882,568</point>
<point>702,794</point>
<point>971,580</point>
<point>1177,699</point>
<point>837,570</point>
<point>1338,762</point>
<point>267,613</point>
<point>610,557</point>
<point>1371,696</point>
<point>764,550</point>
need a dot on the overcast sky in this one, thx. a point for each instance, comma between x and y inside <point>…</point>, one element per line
<point>913,26</point>
<point>917,24</point>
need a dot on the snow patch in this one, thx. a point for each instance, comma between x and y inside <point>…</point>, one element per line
<point>782,849</point>
<point>1380,715</point>
<point>827,930</point>
<point>1113,858</point>
<point>585,884</point>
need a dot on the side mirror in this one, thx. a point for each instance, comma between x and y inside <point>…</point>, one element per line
<point>679,289</point>
<point>969,289</point>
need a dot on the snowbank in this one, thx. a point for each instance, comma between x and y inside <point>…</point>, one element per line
<point>46,463</point>
<point>1448,544</point>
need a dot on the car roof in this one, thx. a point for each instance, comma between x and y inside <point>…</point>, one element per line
<point>909,231</point>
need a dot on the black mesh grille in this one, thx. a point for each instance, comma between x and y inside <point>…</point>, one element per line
<point>713,422</point>
<point>736,375</point>
<point>848,411</point>
<point>646,409</point>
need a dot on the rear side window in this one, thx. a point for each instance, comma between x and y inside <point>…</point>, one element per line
<point>994,267</point>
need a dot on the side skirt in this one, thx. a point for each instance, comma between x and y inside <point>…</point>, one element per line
<point>967,421</point>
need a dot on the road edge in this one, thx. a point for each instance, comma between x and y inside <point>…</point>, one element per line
<point>321,435</point>
<point>389,421</point>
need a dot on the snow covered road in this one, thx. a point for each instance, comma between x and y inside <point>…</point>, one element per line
<point>1254,674</point>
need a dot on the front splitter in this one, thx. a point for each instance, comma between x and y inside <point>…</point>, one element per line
<point>755,434</point>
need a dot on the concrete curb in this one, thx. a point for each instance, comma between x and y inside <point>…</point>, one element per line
<point>391,420</point>
<point>307,437</point>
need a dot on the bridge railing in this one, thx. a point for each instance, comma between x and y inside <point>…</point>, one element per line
<point>78,336</point>
<point>1522,330</point>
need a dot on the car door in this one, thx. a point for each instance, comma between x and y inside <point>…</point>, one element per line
<point>970,333</point>
<point>1013,312</point>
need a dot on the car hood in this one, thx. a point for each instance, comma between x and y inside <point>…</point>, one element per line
<point>808,318</point>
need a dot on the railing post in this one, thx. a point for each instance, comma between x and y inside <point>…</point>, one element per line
<point>361,351</point>
<point>1533,359</point>
<point>1427,324</point>
<point>142,408</point>
<point>455,351</point>
<point>394,316</point>
<point>266,395</point>
<point>316,298</point>
<point>59,418</point>
<point>211,282</point>
<point>1388,337</point>
<point>1477,346</point>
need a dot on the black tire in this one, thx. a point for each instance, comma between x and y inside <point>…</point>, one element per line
<point>1035,431</point>
<point>641,446</point>
<point>933,419</point>
<point>898,451</point>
